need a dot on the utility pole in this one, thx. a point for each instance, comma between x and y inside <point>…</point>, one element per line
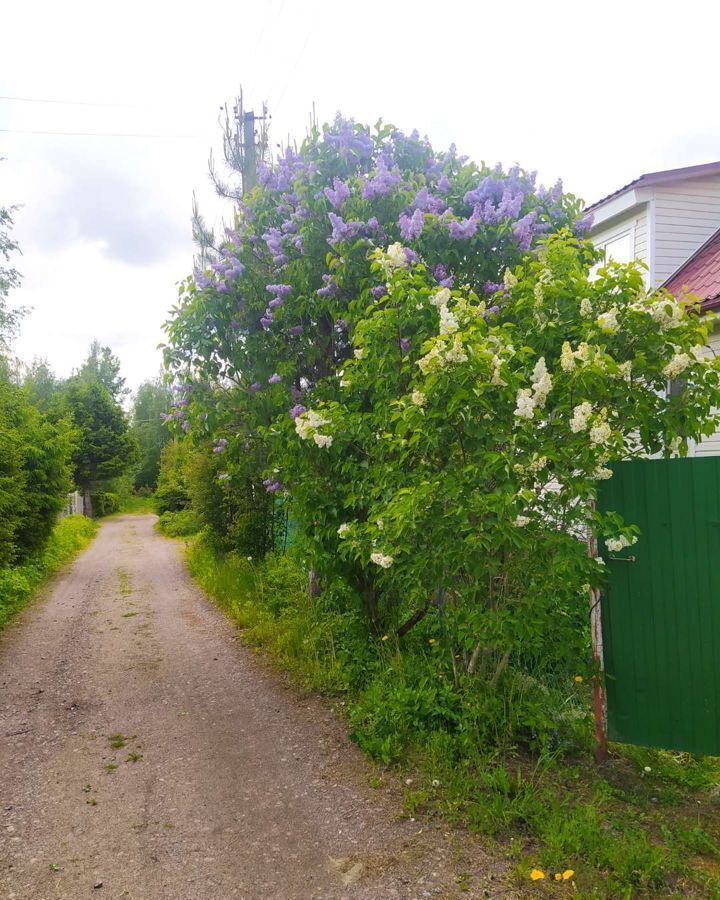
<point>249,174</point>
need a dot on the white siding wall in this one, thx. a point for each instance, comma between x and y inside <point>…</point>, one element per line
<point>636,221</point>
<point>686,214</point>
<point>710,446</point>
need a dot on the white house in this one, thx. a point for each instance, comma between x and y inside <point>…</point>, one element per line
<point>671,222</point>
<point>660,218</point>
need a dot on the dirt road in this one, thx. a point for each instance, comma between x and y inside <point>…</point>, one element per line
<point>146,754</point>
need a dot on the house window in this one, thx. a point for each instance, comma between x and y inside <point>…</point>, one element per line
<point>620,249</point>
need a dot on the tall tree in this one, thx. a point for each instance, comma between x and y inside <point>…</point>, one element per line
<point>9,278</point>
<point>102,365</point>
<point>152,401</point>
<point>41,384</point>
<point>105,447</point>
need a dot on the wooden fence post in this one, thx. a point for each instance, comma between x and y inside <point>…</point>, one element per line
<point>599,694</point>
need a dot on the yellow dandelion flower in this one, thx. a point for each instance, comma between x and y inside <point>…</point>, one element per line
<point>431,641</point>
<point>537,874</point>
<point>558,876</point>
<point>578,679</point>
<point>385,637</point>
<point>567,874</point>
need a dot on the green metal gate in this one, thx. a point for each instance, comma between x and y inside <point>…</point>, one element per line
<point>661,609</point>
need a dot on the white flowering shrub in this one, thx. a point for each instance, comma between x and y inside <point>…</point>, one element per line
<point>476,430</point>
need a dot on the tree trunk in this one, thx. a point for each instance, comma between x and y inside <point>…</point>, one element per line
<point>87,503</point>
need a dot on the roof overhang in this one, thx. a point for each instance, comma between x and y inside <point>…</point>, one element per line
<point>618,206</point>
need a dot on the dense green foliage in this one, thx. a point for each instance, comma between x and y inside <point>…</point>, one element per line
<point>18,584</point>
<point>34,472</point>
<point>150,405</point>
<point>105,447</point>
<point>646,826</point>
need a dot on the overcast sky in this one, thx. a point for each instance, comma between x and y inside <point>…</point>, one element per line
<point>596,95</point>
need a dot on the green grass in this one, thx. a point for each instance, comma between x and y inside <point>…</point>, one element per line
<point>181,523</point>
<point>19,584</point>
<point>624,831</point>
<point>136,505</point>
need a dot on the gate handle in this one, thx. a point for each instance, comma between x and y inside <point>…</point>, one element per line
<point>623,558</point>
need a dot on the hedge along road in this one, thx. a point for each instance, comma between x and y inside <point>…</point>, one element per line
<point>145,753</point>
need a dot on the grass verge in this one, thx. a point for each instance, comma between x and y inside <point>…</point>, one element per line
<point>19,584</point>
<point>646,824</point>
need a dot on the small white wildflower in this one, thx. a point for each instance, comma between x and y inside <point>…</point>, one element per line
<point>586,309</point>
<point>418,398</point>
<point>380,524</point>
<point>647,769</point>
<point>343,529</point>
<point>521,521</point>
<point>380,559</point>
<point>435,783</point>
<point>580,417</point>
<point>674,446</point>
<point>359,352</point>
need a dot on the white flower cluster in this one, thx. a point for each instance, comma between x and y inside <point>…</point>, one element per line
<point>586,309</point>
<point>581,417</point>
<point>343,529</point>
<point>600,432</point>
<point>668,313</point>
<point>607,321</point>
<point>678,364</point>
<point>418,398</point>
<point>509,280</point>
<point>393,259</point>
<point>528,399</point>
<point>307,424</point>
<point>380,559</point>
<point>602,473</point>
<point>615,545</point>
<point>567,357</point>
<point>522,521</point>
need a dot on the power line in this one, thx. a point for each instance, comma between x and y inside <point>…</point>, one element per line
<point>67,102</point>
<point>297,61</point>
<point>117,134</point>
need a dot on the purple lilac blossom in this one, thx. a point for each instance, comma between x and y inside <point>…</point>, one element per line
<point>342,230</point>
<point>411,256</point>
<point>426,202</point>
<point>523,230</point>
<point>341,325</point>
<point>266,322</point>
<point>443,185</point>
<point>296,329</point>
<point>331,288</point>
<point>275,379</point>
<point>280,290</point>
<point>411,226</point>
<point>380,290</point>
<point>275,303</point>
<point>220,445</point>
<point>297,410</point>
<point>492,287</point>
<point>583,225</point>
<point>404,344</point>
<point>295,392</point>
<point>463,229</point>
<point>381,183</point>
<point>255,386</point>
<point>338,193</point>
<point>349,140</point>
